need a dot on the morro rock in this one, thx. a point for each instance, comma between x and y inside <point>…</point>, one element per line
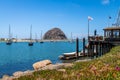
<point>55,34</point>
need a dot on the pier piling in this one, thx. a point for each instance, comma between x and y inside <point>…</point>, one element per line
<point>77,46</point>
<point>83,46</point>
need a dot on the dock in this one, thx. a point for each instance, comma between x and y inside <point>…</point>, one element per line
<point>97,45</point>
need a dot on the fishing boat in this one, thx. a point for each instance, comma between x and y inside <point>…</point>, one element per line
<point>9,40</point>
<point>31,42</point>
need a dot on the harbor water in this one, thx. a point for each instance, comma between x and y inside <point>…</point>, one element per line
<point>20,57</point>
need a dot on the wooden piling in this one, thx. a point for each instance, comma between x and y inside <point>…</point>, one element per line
<point>77,46</point>
<point>95,32</point>
<point>83,46</point>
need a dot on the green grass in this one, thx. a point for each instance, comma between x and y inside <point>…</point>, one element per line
<point>106,67</point>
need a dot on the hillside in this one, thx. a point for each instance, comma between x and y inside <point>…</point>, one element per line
<point>106,67</point>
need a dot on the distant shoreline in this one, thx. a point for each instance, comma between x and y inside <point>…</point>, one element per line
<point>22,40</point>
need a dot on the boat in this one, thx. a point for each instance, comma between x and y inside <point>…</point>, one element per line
<point>41,41</point>
<point>71,40</point>
<point>9,41</point>
<point>36,40</point>
<point>15,40</point>
<point>70,55</point>
<point>31,42</point>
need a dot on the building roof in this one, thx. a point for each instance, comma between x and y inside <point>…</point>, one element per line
<point>112,28</point>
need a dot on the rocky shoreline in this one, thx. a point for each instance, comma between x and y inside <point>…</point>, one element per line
<point>41,65</point>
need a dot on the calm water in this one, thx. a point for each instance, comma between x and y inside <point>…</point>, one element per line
<point>20,56</point>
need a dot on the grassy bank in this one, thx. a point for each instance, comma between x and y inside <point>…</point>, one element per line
<point>106,67</point>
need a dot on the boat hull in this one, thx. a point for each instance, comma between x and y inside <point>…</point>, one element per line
<point>8,43</point>
<point>30,44</point>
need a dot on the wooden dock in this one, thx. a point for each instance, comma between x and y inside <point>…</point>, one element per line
<point>94,48</point>
<point>99,48</point>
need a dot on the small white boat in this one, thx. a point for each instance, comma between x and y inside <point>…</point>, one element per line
<point>69,54</point>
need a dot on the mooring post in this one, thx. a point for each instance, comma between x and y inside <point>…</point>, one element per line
<point>97,49</point>
<point>100,53</point>
<point>95,32</point>
<point>77,46</point>
<point>92,49</point>
<point>83,46</point>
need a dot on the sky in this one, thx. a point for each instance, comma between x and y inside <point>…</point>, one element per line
<point>68,15</point>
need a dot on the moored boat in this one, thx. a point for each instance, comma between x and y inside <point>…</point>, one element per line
<point>69,56</point>
<point>31,42</point>
<point>9,41</point>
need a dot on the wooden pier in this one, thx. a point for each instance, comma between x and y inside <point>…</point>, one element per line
<point>99,45</point>
<point>98,48</point>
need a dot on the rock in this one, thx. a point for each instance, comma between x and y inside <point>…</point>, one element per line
<point>68,64</point>
<point>5,77</point>
<point>84,60</point>
<point>61,70</point>
<point>52,66</point>
<point>55,34</point>
<point>57,66</point>
<point>41,64</point>
<point>28,72</point>
<point>18,74</point>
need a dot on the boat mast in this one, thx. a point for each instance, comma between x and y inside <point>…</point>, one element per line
<point>71,37</point>
<point>31,42</point>
<point>9,32</point>
<point>35,36</point>
<point>31,32</point>
<point>41,35</point>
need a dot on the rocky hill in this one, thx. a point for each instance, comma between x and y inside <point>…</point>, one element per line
<point>55,34</point>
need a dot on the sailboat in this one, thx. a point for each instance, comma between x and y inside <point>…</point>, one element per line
<point>71,40</point>
<point>9,41</point>
<point>16,40</point>
<point>31,42</point>
<point>41,41</point>
<point>36,40</point>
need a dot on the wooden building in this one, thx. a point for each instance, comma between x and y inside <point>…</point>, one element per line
<point>99,45</point>
<point>112,34</point>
